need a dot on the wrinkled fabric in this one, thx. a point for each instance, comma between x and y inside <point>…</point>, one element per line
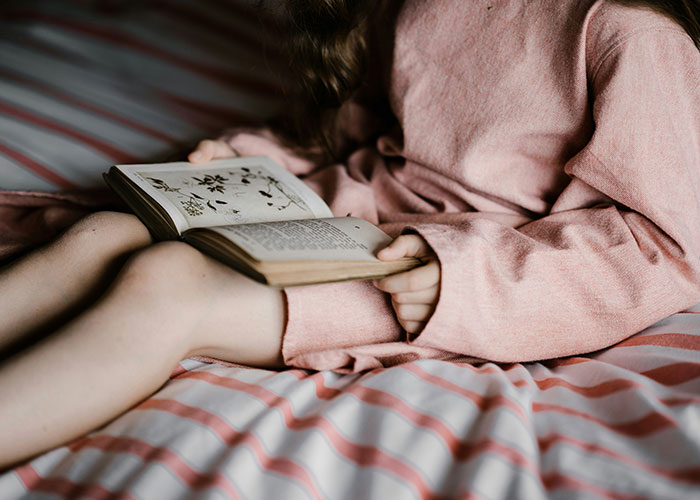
<point>30,218</point>
<point>548,152</point>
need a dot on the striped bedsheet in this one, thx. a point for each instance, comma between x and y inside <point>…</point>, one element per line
<point>623,423</point>
<point>83,86</point>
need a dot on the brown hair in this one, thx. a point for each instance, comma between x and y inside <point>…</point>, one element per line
<point>329,53</point>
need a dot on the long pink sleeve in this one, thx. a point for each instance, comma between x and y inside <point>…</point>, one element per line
<point>619,248</point>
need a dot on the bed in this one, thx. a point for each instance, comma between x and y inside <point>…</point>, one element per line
<point>86,84</point>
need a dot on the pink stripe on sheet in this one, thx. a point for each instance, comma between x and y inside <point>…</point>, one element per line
<point>557,480</point>
<point>594,391</point>
<point>491,368</point>
<point>554,363</point>
<point>64,487</point>
<point>688,475</point>
<point>231,437</point>
<point>677,340</point>
<point>468,495</point>
<point>148,453</point>
<point>674,374</point>
<point>179,370</point>
<point>103,33</point>
<point>37,168</point>
<point>483,403</point>
<point>651,423</point>
<point>671,402</point>
<point>362,455</point>
<point>112,152</point>
<point>671,374</point>
<point>94,109</point>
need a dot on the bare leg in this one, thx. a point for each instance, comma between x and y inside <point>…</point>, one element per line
<point>169,302</point>
<point>46,287</point>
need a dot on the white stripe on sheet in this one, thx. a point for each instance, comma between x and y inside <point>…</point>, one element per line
<point>69,158</point>
<point>94,89</point>
<point>156,73</point>
<point>100,127</point>
<point>15,176</point>
<point>192,29</point>
<point>11,486</point>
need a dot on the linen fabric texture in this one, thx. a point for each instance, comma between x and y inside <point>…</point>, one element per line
<point>548,152</point>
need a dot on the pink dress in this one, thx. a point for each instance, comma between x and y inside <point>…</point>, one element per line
<point>549,153</point>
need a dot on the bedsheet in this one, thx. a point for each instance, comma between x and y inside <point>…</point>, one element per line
<point>623,423</point>
<point>85,84</point>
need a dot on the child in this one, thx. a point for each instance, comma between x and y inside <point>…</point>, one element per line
<point>544,154</point>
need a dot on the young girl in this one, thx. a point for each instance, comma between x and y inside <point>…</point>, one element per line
<point>545,155</point>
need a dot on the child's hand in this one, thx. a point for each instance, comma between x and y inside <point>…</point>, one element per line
<point>414,293</point>
<point>208,150</point>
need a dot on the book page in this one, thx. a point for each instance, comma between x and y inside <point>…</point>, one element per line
<point>340,238</point>
<point>225,192</point>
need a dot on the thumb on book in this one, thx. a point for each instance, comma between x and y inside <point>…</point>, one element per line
<point>209,149</point>
<point>406,245</point>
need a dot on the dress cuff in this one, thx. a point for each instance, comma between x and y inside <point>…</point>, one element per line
<point>450,326</point>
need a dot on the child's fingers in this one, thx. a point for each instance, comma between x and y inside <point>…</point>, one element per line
<point>426,296</point>
<point>406,245</point>
<point>413,312</point>
<point>412,326</point>
<point>416,279</point>
<point>208,150</point>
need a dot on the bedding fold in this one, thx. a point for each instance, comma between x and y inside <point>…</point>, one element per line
<point>30,218</point>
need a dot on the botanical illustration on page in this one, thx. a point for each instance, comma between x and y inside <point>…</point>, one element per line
<point>229,196</point>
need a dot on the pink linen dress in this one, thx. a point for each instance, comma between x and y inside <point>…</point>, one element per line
<point>549,153</point>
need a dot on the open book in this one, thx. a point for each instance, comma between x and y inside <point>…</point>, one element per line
<point>255,216</point>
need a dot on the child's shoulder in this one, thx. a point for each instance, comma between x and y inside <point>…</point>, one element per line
<point>614,21</point>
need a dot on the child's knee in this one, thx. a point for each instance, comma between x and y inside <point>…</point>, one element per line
<point>205,298</point>
<point>106,230</point>
<point>164,270</point>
